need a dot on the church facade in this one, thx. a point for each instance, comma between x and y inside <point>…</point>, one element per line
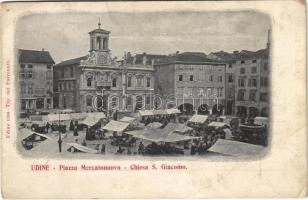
<point>98,82</point>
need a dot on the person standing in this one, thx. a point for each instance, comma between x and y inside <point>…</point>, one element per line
<point>47,127</point>
<point>60,143</point>
<point>75,130</point>
<point>71,125</point>
<point>103,149</point>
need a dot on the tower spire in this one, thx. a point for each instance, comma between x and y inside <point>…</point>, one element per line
<point>99,23</point>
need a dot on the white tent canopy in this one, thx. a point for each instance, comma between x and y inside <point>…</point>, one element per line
<point>90,121</point>
<point>99,115</point>
<point>116,126</point>
<point>82,148</point>
<point>127,119</point>
<point>145,112</point>
<point>218,124</point>
<point>155,125</point>
<point>157,135</point>
<point>235,148</point>
<point>173,111</point>
<point>177,127</point>
<point>198,119</point>
<point>78,116</point>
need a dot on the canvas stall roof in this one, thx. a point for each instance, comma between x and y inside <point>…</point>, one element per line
<point>78,116</point>
<point>127,119</point>
<point>99,115</point>
<point>52,117</point>
<point>156,135</point>
<point>82,148</point>
<point>36,117</point>
<point>235,148</point>
<point>261,120</point>
<point>40,123</point>
<point>25,133</point>
<point>146,112</point>
<point>154,125</point>
<point>64,117</point>
<point>90,121</point>
<point>159,112</point>
<point>218,124</point>
<point>116,126</point>
<point>177,127</point>
<point>67,111</point>
<point>198,118</point>
<point>173,111</point>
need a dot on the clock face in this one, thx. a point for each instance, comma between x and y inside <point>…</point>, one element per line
<point>103,58</point>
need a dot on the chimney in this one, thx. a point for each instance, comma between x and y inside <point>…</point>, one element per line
<point>43,49</point>
<point>177,52</point>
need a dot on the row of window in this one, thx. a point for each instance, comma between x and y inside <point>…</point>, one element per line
<point>129,101</point>
<point>68,70</point>
<point>253,70</point>
<point>28,89</point>
<point>139,82</point>
<point>66,85</point>
<point>246,61</point>
<point>209,91</point>
<point>30,75</point>
<point>191,78</point>
<point>252,95</point>
<point>200,67</point>
<point>30,66</point>
<point>253,82</point>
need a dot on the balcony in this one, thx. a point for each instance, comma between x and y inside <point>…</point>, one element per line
<point>103,84</point>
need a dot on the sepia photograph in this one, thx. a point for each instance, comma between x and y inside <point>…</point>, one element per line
<point>153,100</point>
<point>143,84</point>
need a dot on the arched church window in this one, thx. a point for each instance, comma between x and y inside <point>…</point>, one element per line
<point>104,43</point>
<point>114,82</point>
<point>98,42</point>
<point>89,81</point>
<point>89,100</point>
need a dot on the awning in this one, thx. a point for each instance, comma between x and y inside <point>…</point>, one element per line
<point>198,119</point>
<point>235,148</point>
<point>36,117</point>
<point>90,121</point>
<point>154,125</point>
<point>99,115</point>
<point>67,111</point>
<point>261,121</point>
<point>145,112</point>
<point>173,111</point>
<point>77,116</point>
<point>40,123</point>
<point>82,148</point>
<point>127,119</point>
<point>64,117</point>
<point>25,133</point>
<point>218,124</point>
<point>156,135</point>
<point>159,112</point>
<point>116,126</point>
<point>177,127</point>
<point>52,117</point>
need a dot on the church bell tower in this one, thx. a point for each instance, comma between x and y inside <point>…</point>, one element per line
<point>99,39</point>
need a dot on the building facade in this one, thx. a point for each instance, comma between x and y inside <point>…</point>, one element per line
<point>98,82</point>
<point>252,84</point>
<point>35,80</point>
<point>191,82</point>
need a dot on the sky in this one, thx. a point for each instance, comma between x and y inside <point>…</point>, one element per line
<point>65,35</point>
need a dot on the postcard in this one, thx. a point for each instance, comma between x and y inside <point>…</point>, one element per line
<point>203,99</point>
